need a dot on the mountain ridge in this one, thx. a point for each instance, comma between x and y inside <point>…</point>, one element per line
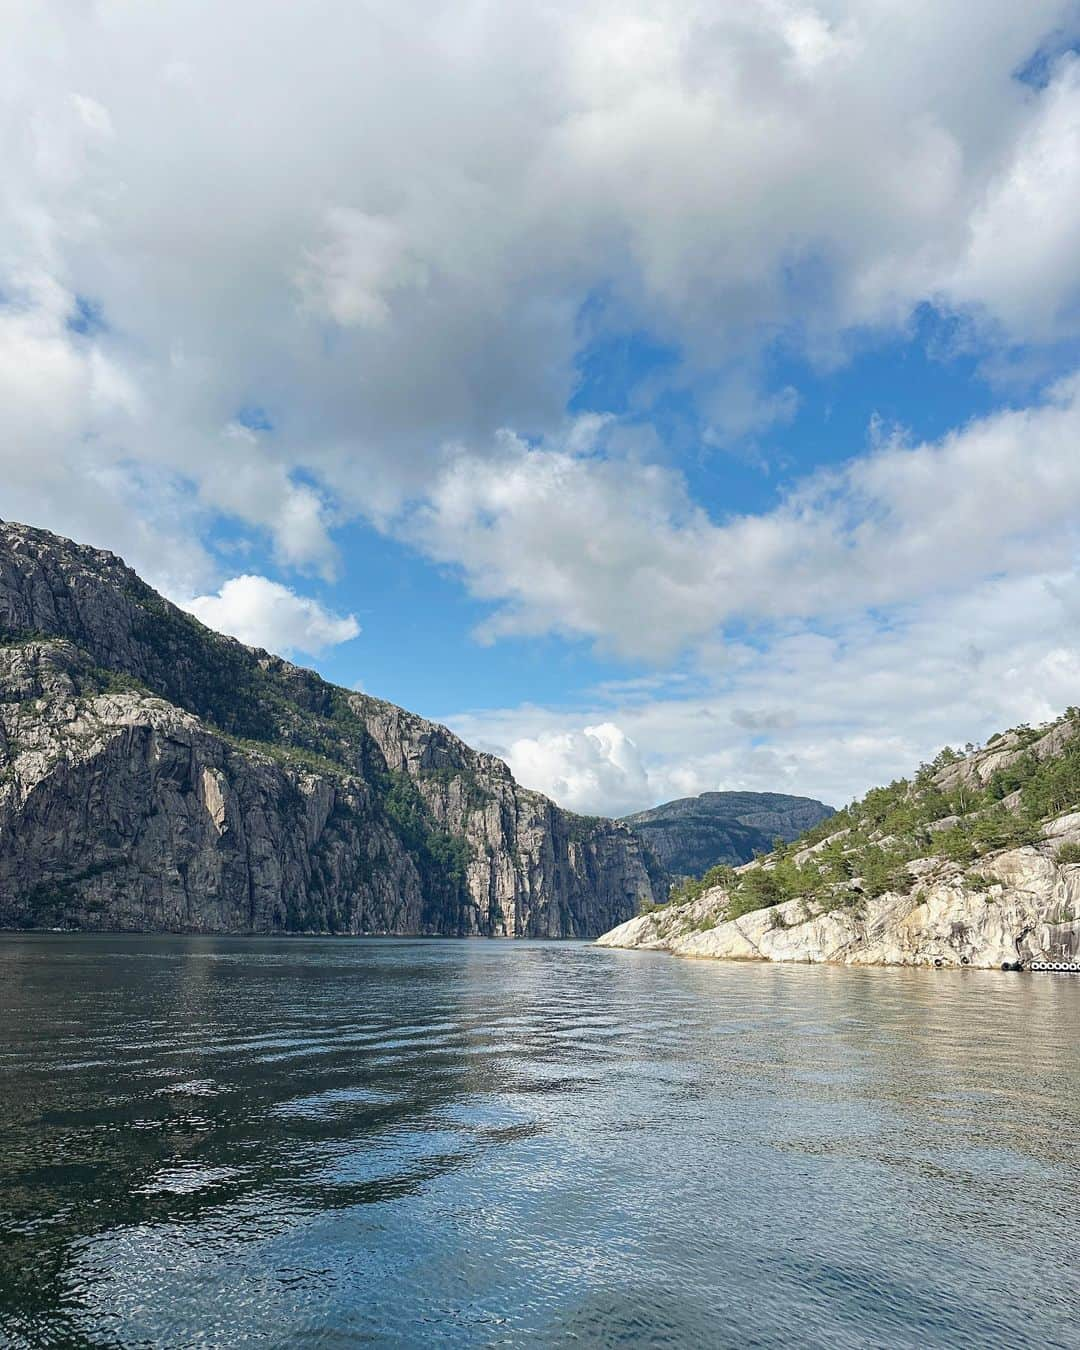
<point>691,834</point>
<point>156,774</point>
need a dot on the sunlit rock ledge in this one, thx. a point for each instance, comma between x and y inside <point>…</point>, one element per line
<point>1027,907</point>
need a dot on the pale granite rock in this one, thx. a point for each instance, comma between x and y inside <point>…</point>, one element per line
<point>1013,905</point>
<point>1029,911</point>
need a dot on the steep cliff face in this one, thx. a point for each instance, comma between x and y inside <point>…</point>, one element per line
<point>974,863</point>
<point>692,834</point>
<point>156,775</point>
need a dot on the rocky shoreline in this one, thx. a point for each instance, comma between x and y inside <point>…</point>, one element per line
<point>1011,906</point>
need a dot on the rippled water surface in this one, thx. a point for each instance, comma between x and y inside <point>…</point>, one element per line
<point>336,1143</point>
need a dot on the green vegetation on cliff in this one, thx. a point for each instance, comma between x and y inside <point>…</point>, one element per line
<point>156,774</point>
<point>949,810</point>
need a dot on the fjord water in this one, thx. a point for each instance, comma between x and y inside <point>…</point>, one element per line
<point>329,1143</point>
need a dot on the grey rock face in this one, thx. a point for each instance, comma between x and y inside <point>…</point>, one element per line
<point>156,775</point>
<point>695,833</point>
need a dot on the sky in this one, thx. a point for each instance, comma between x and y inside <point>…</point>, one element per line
<point>667,396</point>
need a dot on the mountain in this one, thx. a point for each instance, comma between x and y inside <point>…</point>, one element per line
<point>695,833</point>
<point>155,775</point>
<point>975,861</point>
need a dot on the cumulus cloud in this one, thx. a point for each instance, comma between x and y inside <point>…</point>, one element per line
<point>350,278</point>
<point>397,256</point>
<point>64,401</point>
<point>264,613</point>
<point>401,264</point>
<point>831,712</point>
<point>581,768</point>
<point>594,545</point>
<point>1030,289</point>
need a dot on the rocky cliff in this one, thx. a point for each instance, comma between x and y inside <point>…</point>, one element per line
<point>976,862</point>
<point>157,775</point>
<point>692,834</point>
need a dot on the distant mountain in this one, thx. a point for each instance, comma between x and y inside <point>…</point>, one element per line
<point>692,834</point>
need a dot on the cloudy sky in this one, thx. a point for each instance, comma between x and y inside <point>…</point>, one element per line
<point>669,396</point>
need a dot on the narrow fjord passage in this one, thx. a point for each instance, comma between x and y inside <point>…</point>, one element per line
<point>319,1142</point>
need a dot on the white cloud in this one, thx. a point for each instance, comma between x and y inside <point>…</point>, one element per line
<point>1030,288</point>
<point>594,545</point>
<point>581,768</point>
<point>393,261</point>
<point>352,276</point>
<point>264,613</point>
<point>827,714</point>
<point>94,117</point>
<point>396,256</point>
<point>62,402</point>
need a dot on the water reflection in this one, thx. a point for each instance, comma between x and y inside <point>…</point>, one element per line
<point>320,1143</point>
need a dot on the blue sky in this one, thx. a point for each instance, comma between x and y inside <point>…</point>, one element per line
<point>668,399</point>
<point>424,655</point>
